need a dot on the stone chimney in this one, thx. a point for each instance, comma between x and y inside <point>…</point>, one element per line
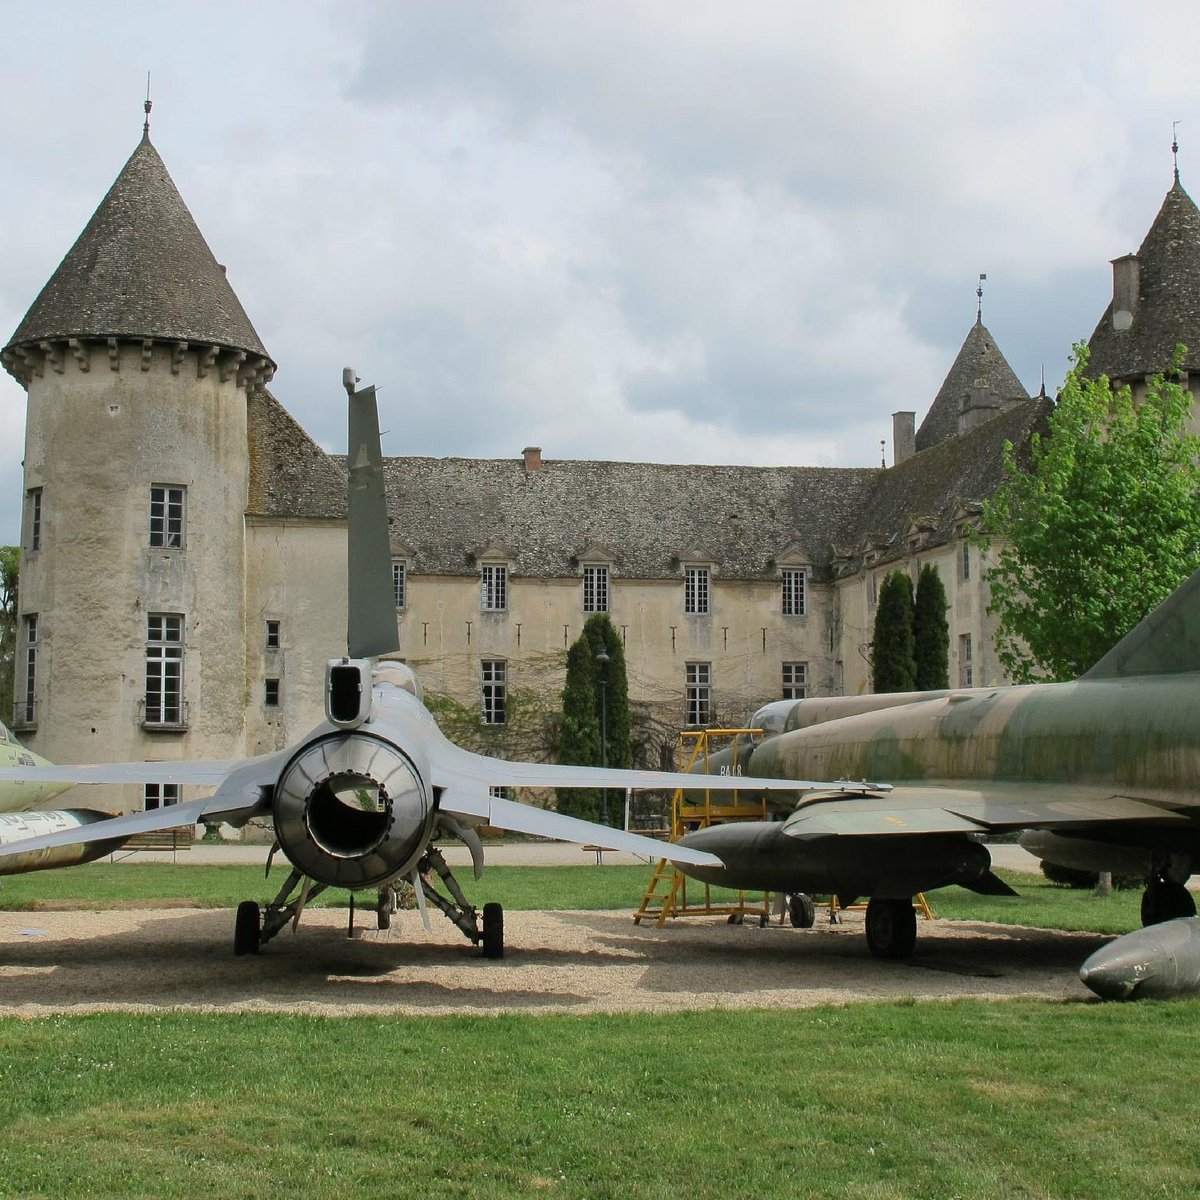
<point>533,459</point>
<point>904,436</point>
<point>1127,278</point>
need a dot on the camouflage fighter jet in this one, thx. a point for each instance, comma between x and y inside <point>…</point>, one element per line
<point>1106,769</point>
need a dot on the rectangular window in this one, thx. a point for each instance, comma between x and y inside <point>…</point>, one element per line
<point>966,667</point>
<point>964,562</point>
<point>271,693</point>
<point>695,590</point>
<point>794,598</point>
<point>166,515</point>
<point>33,505</point>
<point>27,675</point>
<point>495,690</point>
<point>698,696</point>
<point>595,589</point>
<point>795,680</point>
<point>493,594</point>
<point>399,584</point>
<point>160,795</point>
<point>164,669</point>
<point>272,635</point>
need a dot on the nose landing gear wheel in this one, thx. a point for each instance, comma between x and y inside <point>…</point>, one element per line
<point>891,928</point>
<point>801,911</point>
<point>1164,900</point>
<point>247,929</point>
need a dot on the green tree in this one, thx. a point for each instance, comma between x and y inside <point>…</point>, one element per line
<point>1103,524</point>
<point>10,565</point>
<point>612,704</point>
<point>893,666</point>
<point>579,730</point>
<point>931,632</point>
<point>613,683</point>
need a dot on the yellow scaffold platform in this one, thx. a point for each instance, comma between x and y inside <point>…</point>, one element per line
<point>670,892</point>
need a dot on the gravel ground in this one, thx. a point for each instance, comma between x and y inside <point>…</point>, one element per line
<point>577,962</point>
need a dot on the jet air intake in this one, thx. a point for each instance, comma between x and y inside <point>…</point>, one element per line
<point>352,811</point>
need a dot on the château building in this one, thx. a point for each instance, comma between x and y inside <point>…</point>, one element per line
<point>183,565</point>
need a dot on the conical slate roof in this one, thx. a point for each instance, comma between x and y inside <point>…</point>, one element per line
<point>1168,308</point>
<point>140,269</point>
<point>979,367</point>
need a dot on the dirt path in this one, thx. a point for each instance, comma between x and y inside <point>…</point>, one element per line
<point>579,962</point>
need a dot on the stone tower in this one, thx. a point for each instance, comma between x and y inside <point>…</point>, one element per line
<point>1156,301</point>
<point>138,361</point>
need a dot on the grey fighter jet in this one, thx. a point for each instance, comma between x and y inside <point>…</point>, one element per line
<point>363,800</point>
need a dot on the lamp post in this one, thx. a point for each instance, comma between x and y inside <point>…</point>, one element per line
<point>603,659</point>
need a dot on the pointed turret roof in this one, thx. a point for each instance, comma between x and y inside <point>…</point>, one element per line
<point>1168,303</point>
<point>140,269</point>
<point>979,369</point>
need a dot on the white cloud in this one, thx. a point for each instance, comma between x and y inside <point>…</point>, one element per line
<point>669,230</point>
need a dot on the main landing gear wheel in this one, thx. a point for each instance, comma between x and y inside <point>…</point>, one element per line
<point>1164,900</point>
<point>891,928</point>
<point>493,931</point>
<point>247,929</point>
<point>802,912</point>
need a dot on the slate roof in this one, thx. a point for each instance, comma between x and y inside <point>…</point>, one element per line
<point>647,519</point>
<point>926,495</point>
<point>1168,308</point>
<point>290,475</point>
<point>140,269</point>
<point>979,365</point>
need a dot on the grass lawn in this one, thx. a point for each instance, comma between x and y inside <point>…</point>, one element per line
<point>969,1099</point>
<point>103,885</point>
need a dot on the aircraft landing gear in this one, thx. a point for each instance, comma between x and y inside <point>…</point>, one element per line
<point>253,927</point>
<point>247,928</point>
<point>891,928</point>
<point>802,912</point>
<point>459,910</point>
<point>1164,900</point>
<point>493,931</point>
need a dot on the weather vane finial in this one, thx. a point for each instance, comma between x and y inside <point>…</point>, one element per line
<point>146,107</point>
<point>979,300</point>
<point>1175,146</point>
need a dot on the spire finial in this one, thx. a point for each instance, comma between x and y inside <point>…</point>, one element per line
<point>979,300</point>
<point>1042,393</point>
<point>883,452</point>
<point>146,107</point>
<point>1175,146</point>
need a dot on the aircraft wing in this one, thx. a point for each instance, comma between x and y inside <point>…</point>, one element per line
<point>466,779</point>
<point>201,773</point>
<point>974,808</point>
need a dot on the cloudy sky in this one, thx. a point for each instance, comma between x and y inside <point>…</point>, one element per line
<point>640,229</point>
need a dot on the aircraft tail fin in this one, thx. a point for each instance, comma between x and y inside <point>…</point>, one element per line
<point>371,606</point>
<point>1165,642</point>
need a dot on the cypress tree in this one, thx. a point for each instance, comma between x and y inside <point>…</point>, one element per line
<point>579,733</point>
<point>612,686</point>
<point>893,666</point>
<point>931,633</point>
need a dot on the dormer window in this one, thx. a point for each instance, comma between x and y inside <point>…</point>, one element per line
<point>595,589</point>
<point>695,590</point>
<point>493,591</point>
<point>794,591</point>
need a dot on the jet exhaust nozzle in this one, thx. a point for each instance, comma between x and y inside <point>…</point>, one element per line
<point>351,810</point>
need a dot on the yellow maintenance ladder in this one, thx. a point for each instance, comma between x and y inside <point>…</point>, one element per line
<point>668,892</point>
